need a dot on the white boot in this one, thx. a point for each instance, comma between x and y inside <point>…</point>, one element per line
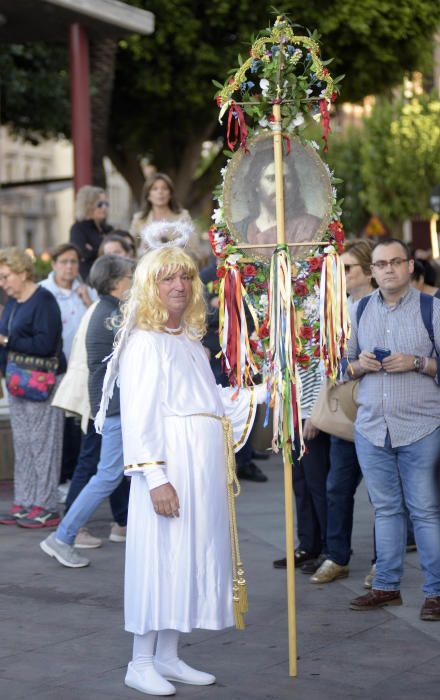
<point>141,674</point>
<point>168,664</point>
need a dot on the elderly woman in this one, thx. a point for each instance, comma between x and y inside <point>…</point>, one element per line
<point>112,276</point>
<point>73,297</point>
<point>90,226</point>
<point>31,324</point>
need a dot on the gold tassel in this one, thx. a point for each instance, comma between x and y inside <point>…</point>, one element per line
<point>239,588</point>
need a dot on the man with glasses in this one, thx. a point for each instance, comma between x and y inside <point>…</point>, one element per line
<point>397,430</point>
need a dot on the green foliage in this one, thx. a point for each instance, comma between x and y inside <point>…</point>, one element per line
<point>163,94</point>
<point>35,89</point>
<point>163,87</point>
<point>400,158</point>
<point>344,158</point>
<point>42,268</point>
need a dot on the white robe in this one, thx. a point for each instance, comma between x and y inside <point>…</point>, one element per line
<point>177,570</point>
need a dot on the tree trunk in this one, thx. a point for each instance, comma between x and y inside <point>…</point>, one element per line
<point>102,69</point>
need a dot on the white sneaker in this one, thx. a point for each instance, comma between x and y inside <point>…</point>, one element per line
<point>64,553</point>
<point>147,680</point>
<point>118,533</point>
<point>178,670</point>
<point>84,540</point>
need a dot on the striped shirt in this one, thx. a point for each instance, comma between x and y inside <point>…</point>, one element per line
<point>311,381</point>
<point>406,404</point>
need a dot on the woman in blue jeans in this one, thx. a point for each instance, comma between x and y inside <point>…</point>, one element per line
<point>112,277</point>
<point>344,475</point>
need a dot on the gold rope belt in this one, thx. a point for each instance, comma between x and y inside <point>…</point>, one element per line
<point>239,588</point>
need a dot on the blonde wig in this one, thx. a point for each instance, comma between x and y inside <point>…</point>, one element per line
<point>86,200</point>
<point>18,261</point>
<point>144,305</point>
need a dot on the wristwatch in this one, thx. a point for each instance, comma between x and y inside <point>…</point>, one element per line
<point>418,363</point>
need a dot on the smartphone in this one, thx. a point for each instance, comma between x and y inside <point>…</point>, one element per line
<point>381,353</point>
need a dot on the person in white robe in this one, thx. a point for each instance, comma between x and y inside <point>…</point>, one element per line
<point>178,571</point>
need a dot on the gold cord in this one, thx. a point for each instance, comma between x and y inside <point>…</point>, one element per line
<point>239,587</point>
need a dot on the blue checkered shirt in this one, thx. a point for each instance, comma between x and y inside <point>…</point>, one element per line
<point>406,404</point>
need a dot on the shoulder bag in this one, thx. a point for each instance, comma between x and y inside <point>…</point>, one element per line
<point>335,409</point>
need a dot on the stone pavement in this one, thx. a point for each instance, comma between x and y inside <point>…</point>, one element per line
<point>62,632</point>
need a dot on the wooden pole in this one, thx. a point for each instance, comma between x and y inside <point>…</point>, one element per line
<point>288,485</point>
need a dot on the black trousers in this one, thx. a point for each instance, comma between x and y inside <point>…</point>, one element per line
<point>309,484</point>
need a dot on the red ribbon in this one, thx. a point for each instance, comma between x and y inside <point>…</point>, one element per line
<point>232,302</point>
<point>240,128</point>
<point>325,119</point>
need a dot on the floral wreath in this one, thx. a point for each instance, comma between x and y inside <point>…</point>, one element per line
<point>282,68</point>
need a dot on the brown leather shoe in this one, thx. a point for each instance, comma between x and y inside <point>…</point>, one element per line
<point>431,609</point>
<point>376,599</point>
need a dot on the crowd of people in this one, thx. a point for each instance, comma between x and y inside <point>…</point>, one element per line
<point>72,424</point>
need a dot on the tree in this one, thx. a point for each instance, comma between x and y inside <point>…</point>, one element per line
<point>400,158</point>
<point>162,101</point>
<point>344,157</point>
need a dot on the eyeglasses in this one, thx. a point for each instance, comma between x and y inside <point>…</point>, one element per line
<point>102,204</point>
<point>393,263</point>
<point>347,268</point>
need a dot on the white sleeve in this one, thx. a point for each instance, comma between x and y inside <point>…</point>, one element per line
<point>240,407</point>
<point>140,379</point>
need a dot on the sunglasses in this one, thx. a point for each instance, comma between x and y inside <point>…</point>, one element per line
<point>102,204</point>
<point>347,268</point>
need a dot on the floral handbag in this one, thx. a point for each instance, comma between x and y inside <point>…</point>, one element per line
<point>31,377</point>
<point>28,376</point>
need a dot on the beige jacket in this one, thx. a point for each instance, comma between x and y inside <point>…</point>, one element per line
<point>72,395</point>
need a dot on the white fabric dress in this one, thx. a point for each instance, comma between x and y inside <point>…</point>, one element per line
<point>178,570</point>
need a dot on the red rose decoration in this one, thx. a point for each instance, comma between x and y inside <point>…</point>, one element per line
<point>306,332</point>
<point>221,271</point>
<point>317,351</point>
<point>249,270</point>
<point>263,331</point>
<point>315,263</point>
<point>300,288</point>
<point>304,360</point>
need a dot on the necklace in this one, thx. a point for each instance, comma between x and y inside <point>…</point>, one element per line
<point>172,331</point>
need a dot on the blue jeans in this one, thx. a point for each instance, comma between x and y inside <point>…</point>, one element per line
<point>395,477</point>
<point>86,467</point>
<point>108,476</point>
<point>343,478</point>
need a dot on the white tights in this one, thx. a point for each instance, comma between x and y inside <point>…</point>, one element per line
<point>166,648</point>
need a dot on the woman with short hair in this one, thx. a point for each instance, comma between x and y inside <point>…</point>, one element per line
<point>90,227</point>
<point>31,324</point>
<point>111,276</point>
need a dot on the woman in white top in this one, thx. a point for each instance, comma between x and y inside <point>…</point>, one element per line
<point>159,203</point>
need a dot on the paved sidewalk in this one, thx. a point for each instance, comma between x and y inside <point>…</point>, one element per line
<point>62,632</point>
